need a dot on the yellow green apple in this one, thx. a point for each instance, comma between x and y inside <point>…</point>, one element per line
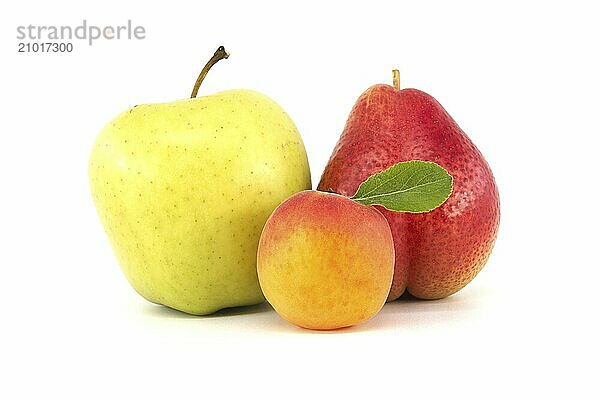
<point>183,190</point>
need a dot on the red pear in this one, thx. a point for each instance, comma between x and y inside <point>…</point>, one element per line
<point>439,252</point>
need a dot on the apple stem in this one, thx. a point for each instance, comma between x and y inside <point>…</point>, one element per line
<point>220,54</point>
<point>396,78</point>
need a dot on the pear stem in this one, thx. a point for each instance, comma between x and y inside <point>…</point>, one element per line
<point>396,79</point>
<point>220,54</point>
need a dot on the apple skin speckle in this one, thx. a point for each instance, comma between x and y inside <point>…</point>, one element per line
<point>183,190</point>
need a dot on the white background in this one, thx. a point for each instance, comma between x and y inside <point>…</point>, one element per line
<point>520,78</point>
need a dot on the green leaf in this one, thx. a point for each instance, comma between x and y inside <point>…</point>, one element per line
<point>411,186</point>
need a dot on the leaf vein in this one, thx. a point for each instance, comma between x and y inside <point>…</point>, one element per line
<point>391,178</point>
<point>401,190</point>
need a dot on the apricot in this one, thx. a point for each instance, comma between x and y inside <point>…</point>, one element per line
<point>325,261</point>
